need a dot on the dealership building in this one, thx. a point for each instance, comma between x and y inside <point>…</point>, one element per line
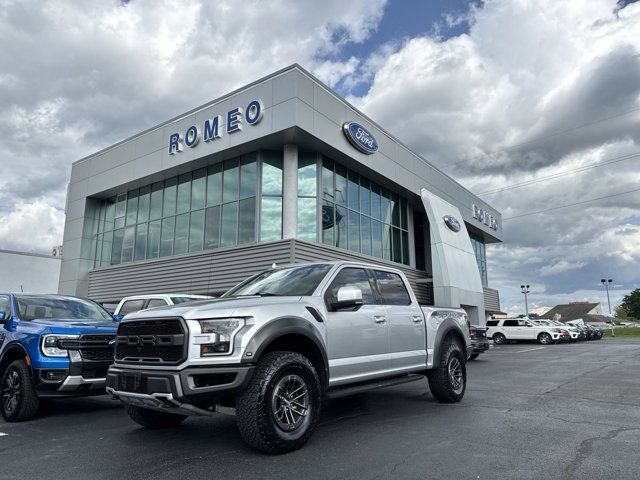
<point>280,171</point>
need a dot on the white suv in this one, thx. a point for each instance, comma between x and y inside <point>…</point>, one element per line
<point>508,329</point>
<point>136,303</point>
<point>574,333</point>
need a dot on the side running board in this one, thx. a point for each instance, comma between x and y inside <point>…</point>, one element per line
<point>338,392</point>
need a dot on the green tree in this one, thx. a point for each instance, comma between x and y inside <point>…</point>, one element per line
<point>620,312</point>
<point>631,304</point>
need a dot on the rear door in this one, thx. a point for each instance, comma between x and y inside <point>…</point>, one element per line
<point>357,339</point>
<point>511,329</point>
<point>407,337</point>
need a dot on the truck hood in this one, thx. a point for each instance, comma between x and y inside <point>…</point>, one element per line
<point>218,307</point>
<point>74,326</point>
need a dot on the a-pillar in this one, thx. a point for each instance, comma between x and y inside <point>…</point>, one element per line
<point>290,192</point>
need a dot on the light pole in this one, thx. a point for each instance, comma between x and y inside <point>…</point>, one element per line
<point>606,282</point>
<point>525,290</point>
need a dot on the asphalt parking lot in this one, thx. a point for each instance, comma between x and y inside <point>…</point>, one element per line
<point>559,411</point>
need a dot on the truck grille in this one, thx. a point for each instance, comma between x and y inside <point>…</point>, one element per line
<point>151,341</point>
<point>96,347</point>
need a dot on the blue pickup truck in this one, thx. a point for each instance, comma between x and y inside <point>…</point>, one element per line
<point>51,346</point>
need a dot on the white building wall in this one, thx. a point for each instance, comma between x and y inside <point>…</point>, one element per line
<point>29,272</point>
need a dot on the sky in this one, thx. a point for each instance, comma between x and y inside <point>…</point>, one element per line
<point>533,105</point>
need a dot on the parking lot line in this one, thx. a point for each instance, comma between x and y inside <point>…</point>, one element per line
<point>529,349</point>
<point>3,434</point>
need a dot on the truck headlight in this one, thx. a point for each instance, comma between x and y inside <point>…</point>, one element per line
<point>221,333</point>
<point>557,330</point>
<point>50,345</point>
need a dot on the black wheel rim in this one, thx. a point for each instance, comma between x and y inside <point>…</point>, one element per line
<point>11,391</point>
<point>290,402</point>
<point>456,376</point>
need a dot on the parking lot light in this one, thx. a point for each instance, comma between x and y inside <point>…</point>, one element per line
<point>606,282</point>
<point>525,290</point>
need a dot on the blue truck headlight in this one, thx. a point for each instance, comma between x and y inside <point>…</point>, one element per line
<point>51,345</point>
<point>221,333</point>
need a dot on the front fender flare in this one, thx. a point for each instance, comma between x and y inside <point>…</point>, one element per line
<point>280,327</point>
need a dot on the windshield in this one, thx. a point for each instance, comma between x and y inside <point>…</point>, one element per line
<point>177,300</point>
<point>31,307</point>
<point>292,281</point>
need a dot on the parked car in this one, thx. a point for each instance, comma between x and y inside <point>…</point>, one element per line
<point>574,334</point>
<point>278,343</point>
<point>517,329</point>
<point>51,346</point>
<point>479,342</point>
<point>135,303</point>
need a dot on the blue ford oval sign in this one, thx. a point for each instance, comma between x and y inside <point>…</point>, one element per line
<point>452,223</point>
<point>360,137</point>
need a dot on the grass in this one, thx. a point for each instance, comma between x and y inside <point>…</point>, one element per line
<point>628,332</point>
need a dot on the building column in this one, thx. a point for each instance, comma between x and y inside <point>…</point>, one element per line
<point>290,192</point>
<point>412,237</point>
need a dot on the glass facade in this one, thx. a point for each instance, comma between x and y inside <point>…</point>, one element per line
<point>208,208</point>
<point>362,216</point>
<point>240,201</point>
<point>480,250</point>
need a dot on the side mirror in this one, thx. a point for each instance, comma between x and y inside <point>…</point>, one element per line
<point>4,317</point>
<point>348,296</point>
<point>118,317</point>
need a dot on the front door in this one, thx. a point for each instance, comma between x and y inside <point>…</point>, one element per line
<point>357,339</point>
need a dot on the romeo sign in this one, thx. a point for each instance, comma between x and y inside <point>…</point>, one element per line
<point>214,127</point>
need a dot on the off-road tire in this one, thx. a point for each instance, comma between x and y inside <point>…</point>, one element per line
<point>545,339</point>
<point>499,339</point>
<point>441,383</point>
<point>255,417</point>
<point>154,419</point>
<point>473,356</point>
<point>28,402</point>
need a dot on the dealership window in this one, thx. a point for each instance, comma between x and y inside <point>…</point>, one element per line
<point>208,208</point>
<point>479,248</point>
<point>307,196</point>
<point>359,215</point>
<point>271,202</point>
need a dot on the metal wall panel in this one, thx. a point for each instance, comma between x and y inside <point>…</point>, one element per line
<point>211,272</point>
<point>491,299</point>
<point>214,272</point>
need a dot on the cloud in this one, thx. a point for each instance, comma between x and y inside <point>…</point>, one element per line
<point>79,77</point>
<point>36,223</point>
<point>533,90</point>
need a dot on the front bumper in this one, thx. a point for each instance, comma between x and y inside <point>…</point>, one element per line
<point>189,391</point>
<point>67,383</point>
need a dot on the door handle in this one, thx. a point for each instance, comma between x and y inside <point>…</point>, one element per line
<point>380,319</point>
<point>417,319</point>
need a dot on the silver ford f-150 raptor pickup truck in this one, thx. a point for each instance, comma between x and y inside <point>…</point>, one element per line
<point>273,347</point>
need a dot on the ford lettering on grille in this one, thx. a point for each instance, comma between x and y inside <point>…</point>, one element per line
<point>150,340</point>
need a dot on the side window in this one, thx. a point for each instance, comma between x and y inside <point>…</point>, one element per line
<point>157,302</point>
<point>392,288</point>
<point>131,306</point>
<point>510,323</point>
<point>352,276</point>
<point>4,305</point>
<point>492,323</point>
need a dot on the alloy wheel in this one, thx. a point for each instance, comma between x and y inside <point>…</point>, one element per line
<point>455,375</point>
<point>11,391</point>
<point>290,402</point>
